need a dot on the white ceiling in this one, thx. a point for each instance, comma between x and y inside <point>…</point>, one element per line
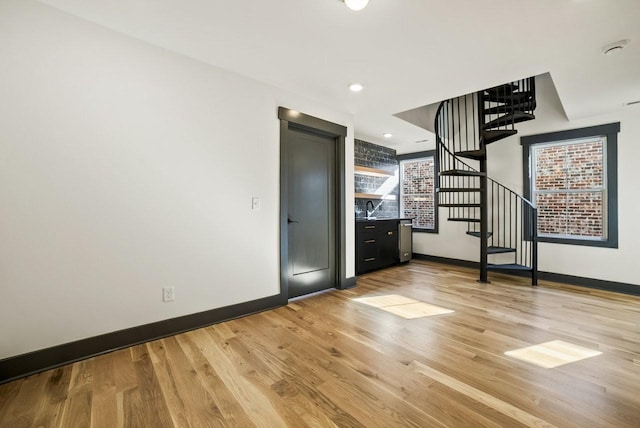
<point>407,53</point>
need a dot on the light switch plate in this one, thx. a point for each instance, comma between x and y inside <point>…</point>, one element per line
<point>255,203</point>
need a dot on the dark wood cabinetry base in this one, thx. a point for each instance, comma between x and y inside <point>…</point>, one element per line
<point>376,244</point>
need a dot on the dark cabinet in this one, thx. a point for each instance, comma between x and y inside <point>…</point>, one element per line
<point>376,244</point>
<point>388,248</point>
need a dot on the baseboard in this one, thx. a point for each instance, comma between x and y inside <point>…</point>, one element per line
<point>348,283</point>
<point>600,284</point>
<point>446,260</point>
<point>13,368</point>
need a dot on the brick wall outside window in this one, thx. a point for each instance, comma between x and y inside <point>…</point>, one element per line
<point>569,188</point>
<point>418,191</point>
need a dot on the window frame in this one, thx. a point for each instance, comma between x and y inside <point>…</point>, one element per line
<point>610,178</point>
<point>414,157</point>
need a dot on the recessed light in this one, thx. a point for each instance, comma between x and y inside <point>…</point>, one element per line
<point>356,87</point>
<point>356,4</point>
<point>614,48</point>
<point>387,135</point>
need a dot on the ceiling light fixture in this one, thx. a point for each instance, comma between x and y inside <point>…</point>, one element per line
<point>614,48</point>
<point>356,4</point>
<point>387,135</point>
<point>356,87</point>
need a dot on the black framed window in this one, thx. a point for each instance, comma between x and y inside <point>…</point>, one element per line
<point>571,176</point>
<point>418,201</point>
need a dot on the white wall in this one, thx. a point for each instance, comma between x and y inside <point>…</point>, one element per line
<point>505,166</point>
<point>125,168</point>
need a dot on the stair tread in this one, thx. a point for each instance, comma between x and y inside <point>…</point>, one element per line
<point>473,154</point>
<point>507,119</point>
<point>508,108</point>
<point>500,250</point>
<point>477,234</point>
<point>492,135</point>
<point>507,88</point>
<point>457,189</point>
<point>508,266</point>
<point>463,172</point>
<point>509,98</point>
<point>464,219</point>
<point>470,205</point>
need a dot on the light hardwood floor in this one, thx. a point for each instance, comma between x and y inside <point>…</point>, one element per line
<point>328,360</point>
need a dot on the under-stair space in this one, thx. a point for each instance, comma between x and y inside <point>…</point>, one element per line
<point>504,221</point>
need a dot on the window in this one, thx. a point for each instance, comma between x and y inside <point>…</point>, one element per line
<point>418,173</point>
<point>571,176</point>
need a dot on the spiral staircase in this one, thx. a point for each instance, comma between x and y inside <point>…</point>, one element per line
<point>503,221</point>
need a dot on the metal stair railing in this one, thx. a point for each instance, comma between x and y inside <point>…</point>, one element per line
<point>461,129</point>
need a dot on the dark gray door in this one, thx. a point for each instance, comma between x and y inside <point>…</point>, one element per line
<point>311,212</point>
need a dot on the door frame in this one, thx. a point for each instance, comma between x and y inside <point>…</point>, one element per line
<point>293,119</point>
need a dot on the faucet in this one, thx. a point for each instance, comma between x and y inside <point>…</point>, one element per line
<point>369,213</point>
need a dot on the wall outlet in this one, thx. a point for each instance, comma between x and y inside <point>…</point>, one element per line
<point>168,294</point>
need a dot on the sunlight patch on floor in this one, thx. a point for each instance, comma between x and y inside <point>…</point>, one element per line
<point>552,354</point>
<point>386,300</point>
<point>402,306</point>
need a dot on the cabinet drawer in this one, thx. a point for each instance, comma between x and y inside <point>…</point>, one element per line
<point>366,227</point>
<point>366,264</point>
<point>366,251</point>
<point>367,237</point>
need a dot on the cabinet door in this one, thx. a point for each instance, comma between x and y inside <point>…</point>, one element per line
<point>388,245</point>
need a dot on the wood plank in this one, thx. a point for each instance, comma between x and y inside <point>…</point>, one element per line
<point>104,403</point>
<point>23,409</point>
<point>78,409</point>
<point>258,407</point>
<point>289,367</point>
<point>499,405</point>
<point>189,403</point>
<point>51,412</point>
<point>124,370</point>
<point>151,400</point>
<point>233,413</point>
<point>134,412</point>
<point>8,393</point>
<point>374,196</point>
<point>373,172</point>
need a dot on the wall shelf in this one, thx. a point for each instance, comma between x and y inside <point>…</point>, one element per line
<point>373,172</point>
<point>375,196</point>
